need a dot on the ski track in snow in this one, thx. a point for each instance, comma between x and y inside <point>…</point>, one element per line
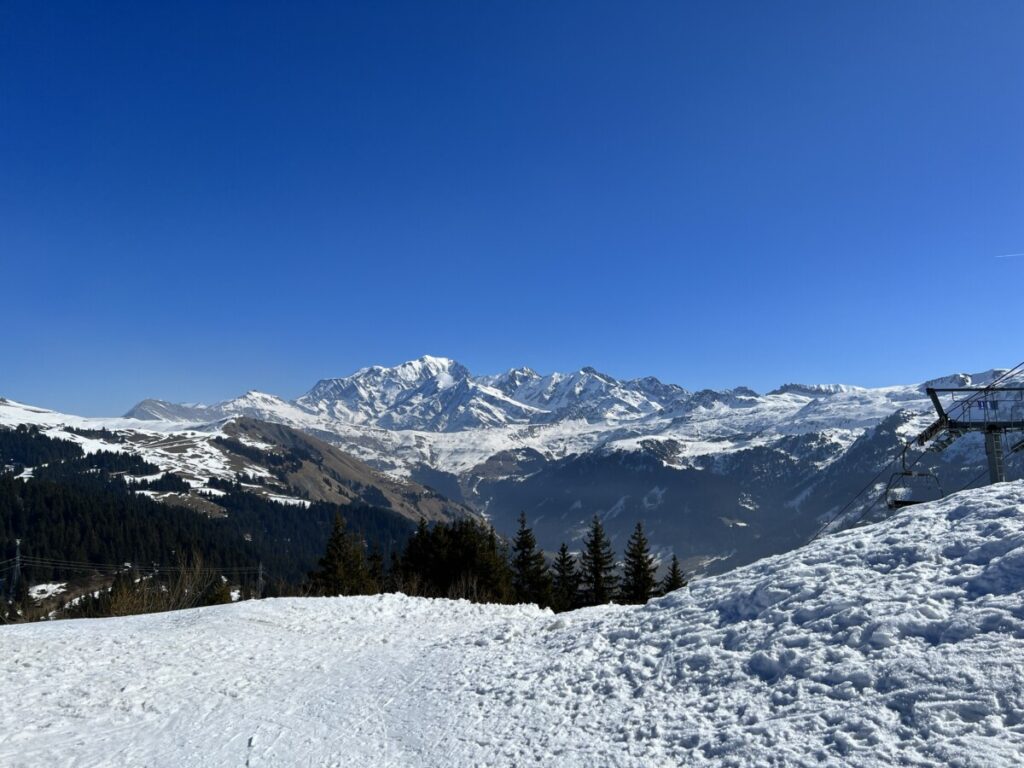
<point>897,643</point>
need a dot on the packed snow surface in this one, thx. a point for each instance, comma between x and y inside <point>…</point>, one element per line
<point>898,643</point>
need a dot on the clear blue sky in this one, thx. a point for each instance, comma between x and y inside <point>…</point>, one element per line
<point>201,198</point>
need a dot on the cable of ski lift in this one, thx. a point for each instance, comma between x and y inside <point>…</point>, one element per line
<point>908,468</point>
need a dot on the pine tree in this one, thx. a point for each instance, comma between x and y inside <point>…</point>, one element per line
<point>566,580</point>
<point>530,579</point>
<point>342,570</point>
<point>497,581</point>
<point>462,559</point>
<point>375,566</point>
<point>393,574</point>
<point>22,599</point>
<point>639,570</point>
<point>597,566</point>
<point>674,579</point>
<point>218,592</point>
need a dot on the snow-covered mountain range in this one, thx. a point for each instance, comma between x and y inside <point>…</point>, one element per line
<point>433,412</point>
<point>718,476</point>
<point>436,394</point>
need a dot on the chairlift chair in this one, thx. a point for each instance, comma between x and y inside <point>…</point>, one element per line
<point>907,488</point>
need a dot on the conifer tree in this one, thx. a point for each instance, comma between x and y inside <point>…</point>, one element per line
<point>674,579</point>
<point>393,574</point>
<point>375,566</point>
<point>639,569</point>
<point>461,559</point>
<point>342,570</point>
<point>218,593</point>
<point>530,579</point>
<point>22,598</point>
<point>597,566</point>
<point>498,576</point>
<point>418,560</point>
<point>566,581</point>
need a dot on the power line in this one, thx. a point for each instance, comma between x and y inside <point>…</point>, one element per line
<point>81,565</point>
<point>1002,377</point>
<point>56,562</point>
<point>867,510</point>
<point>16,568</point>
<point>125,563</point>
<point>972,482</point>
<point>849,504</point>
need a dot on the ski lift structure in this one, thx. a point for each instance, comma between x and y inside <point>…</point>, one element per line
<point>995,411</point>
<point>908,487</point>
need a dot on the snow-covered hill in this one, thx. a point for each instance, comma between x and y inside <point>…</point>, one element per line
<point>271,460</point>
<point>897,643</point>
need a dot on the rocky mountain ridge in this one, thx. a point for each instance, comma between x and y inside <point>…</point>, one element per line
<point>718,476</point>
<point>436,394</point>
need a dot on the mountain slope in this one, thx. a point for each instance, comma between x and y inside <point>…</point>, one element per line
<point>437,394</point>
<point>324,473</point>
<point>432,412</point>
<point>269,460</point>
<point>432,393</point>
<point>897,643</point>
<point>719,477</point>
<point>256,405</point>
<point>587,394</point>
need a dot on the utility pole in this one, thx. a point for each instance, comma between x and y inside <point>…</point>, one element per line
<point>16,573</point>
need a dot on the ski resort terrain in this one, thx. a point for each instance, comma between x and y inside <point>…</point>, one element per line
<point>901,642</point>
<point>719,477</point>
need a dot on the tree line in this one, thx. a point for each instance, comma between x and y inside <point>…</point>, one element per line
<point>465,559</point>
<point>80,509</point>
<point>94,518</point>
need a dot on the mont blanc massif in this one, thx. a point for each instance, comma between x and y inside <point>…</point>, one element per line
<point>719,477</point>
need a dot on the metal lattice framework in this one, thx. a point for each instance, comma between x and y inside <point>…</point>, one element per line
<point>994,411</point>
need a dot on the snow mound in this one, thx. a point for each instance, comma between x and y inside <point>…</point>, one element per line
<point>898,643</point>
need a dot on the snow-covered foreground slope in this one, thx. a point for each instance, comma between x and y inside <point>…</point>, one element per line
<point>902,642</point>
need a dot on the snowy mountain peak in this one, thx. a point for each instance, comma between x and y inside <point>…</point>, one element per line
<point>445,370</point>
<point>591,371</point>
<point>982,379</point>
<point>587,394</point>
<point>578,410</point>
<point>161,410</point>
<point>442,370</point>
<point>255,396</point>
<point>510,381</point>
<point>375,394</point>
<point>812,390</point>
<point>440,394</point>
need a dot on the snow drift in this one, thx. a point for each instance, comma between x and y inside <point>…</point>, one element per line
<point>901,642</point>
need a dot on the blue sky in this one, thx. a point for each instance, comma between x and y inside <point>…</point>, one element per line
<point>201,198</point>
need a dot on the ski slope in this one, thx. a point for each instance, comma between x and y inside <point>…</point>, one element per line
<point>901,642</point>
